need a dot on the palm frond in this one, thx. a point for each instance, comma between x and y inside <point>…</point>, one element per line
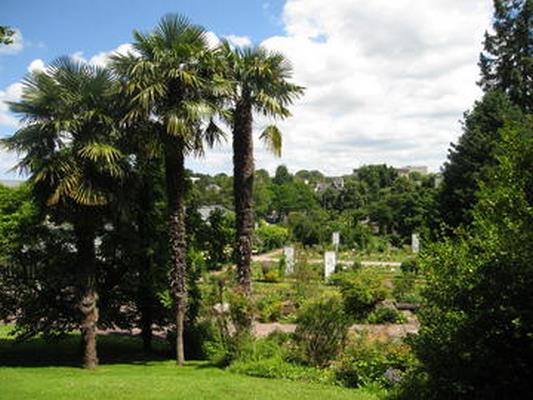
<point>272,138</point>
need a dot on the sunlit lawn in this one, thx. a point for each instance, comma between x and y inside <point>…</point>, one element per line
<point>37,370</point>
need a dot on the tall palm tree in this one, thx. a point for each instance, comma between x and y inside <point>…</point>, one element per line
<point>260,84</point>
<point>169,79</point>
<point>66,143</point>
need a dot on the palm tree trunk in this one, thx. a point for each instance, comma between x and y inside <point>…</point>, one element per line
<point>85,236</point>
<point>175,176</point>
<point>243,183</point>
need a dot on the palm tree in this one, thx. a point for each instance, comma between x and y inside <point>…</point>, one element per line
<point>260,84</point>
<point>66,143</point>
<point>169,79</point>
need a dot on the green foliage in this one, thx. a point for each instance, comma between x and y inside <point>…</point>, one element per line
<point>322,329</point>
<point>361,291</point>
<point>6,35</point>
<point>386,315</point>
<point>270,273</point>
<point>270,236</point>
<point>471,157</point>
<point>476,322</point>
<point>405,288</point>
<point>364,362</point>
<point>506,60</point>
<point>409,266</point>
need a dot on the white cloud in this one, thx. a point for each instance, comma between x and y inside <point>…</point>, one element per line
<point>387,81</point>
<point>102,59</point>
<point>36,65</point>
<point>11,93</point>
<point>238,41</point>
<point>16,46</point>
<point>213,40</point>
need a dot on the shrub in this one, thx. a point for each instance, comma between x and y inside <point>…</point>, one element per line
<point>365,362</point>
<point>386,315</point>
<point>269,273</point>
<point>269,237</point>
<point>409,265</point>
<point>322,329</point>
<point>404,288</point>
<point>277,368</point>
<point>361,291</point>
<point>270,308</point>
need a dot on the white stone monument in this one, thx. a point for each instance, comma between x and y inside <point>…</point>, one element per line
<point>336,239</point>
<point>288,252</point>
<point>330,260</point>
<point>415,243</point>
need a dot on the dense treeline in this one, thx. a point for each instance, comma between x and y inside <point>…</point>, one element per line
<point>374,204</point>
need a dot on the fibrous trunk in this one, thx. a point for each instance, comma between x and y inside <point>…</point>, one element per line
<point>85,236</point>
<point>243,173</point>
<point>175,174</point>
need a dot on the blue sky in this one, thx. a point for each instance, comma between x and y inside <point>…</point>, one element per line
<point>387,81</point>
<point>51,28</point>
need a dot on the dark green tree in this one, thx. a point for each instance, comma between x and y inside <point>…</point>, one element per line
<point>476,319</point>
<point>469,159</point>
<point>507,59</point>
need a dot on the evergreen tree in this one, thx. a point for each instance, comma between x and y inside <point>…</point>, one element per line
<point>507,60</point>
<point>472,155</point>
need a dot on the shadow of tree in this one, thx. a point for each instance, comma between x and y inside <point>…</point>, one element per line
<point>113,348</point>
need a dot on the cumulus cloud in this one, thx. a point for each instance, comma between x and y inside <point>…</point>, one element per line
<point>11,93</point>
<point>387,81</point>
<point>36,65</point>
<point>238,41</point>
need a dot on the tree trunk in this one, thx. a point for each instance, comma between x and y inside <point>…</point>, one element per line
<point>243,183</point>
<point>175,177</point>
<point>85,236</point>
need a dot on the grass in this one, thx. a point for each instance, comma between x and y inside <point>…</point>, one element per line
<point>37,369</point>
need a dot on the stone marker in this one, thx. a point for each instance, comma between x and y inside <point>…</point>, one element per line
<point>415,243</point>
<point>336,239</point>
<point>329,263</point>
<point>288,252</point>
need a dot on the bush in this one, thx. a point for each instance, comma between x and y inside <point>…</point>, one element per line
<point>322,329</point>
<point>361,291</point>
<point>270,273</point>
<point>270,308</point>
<point>269,237</point>
<point>386,315</point>
<point>409,266</point>
<point>365,362</point>
<point>405,290</point>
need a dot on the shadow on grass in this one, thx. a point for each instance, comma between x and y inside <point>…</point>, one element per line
<point>112,349</point>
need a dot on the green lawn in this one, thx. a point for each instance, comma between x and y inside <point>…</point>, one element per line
<point>36,370</point>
